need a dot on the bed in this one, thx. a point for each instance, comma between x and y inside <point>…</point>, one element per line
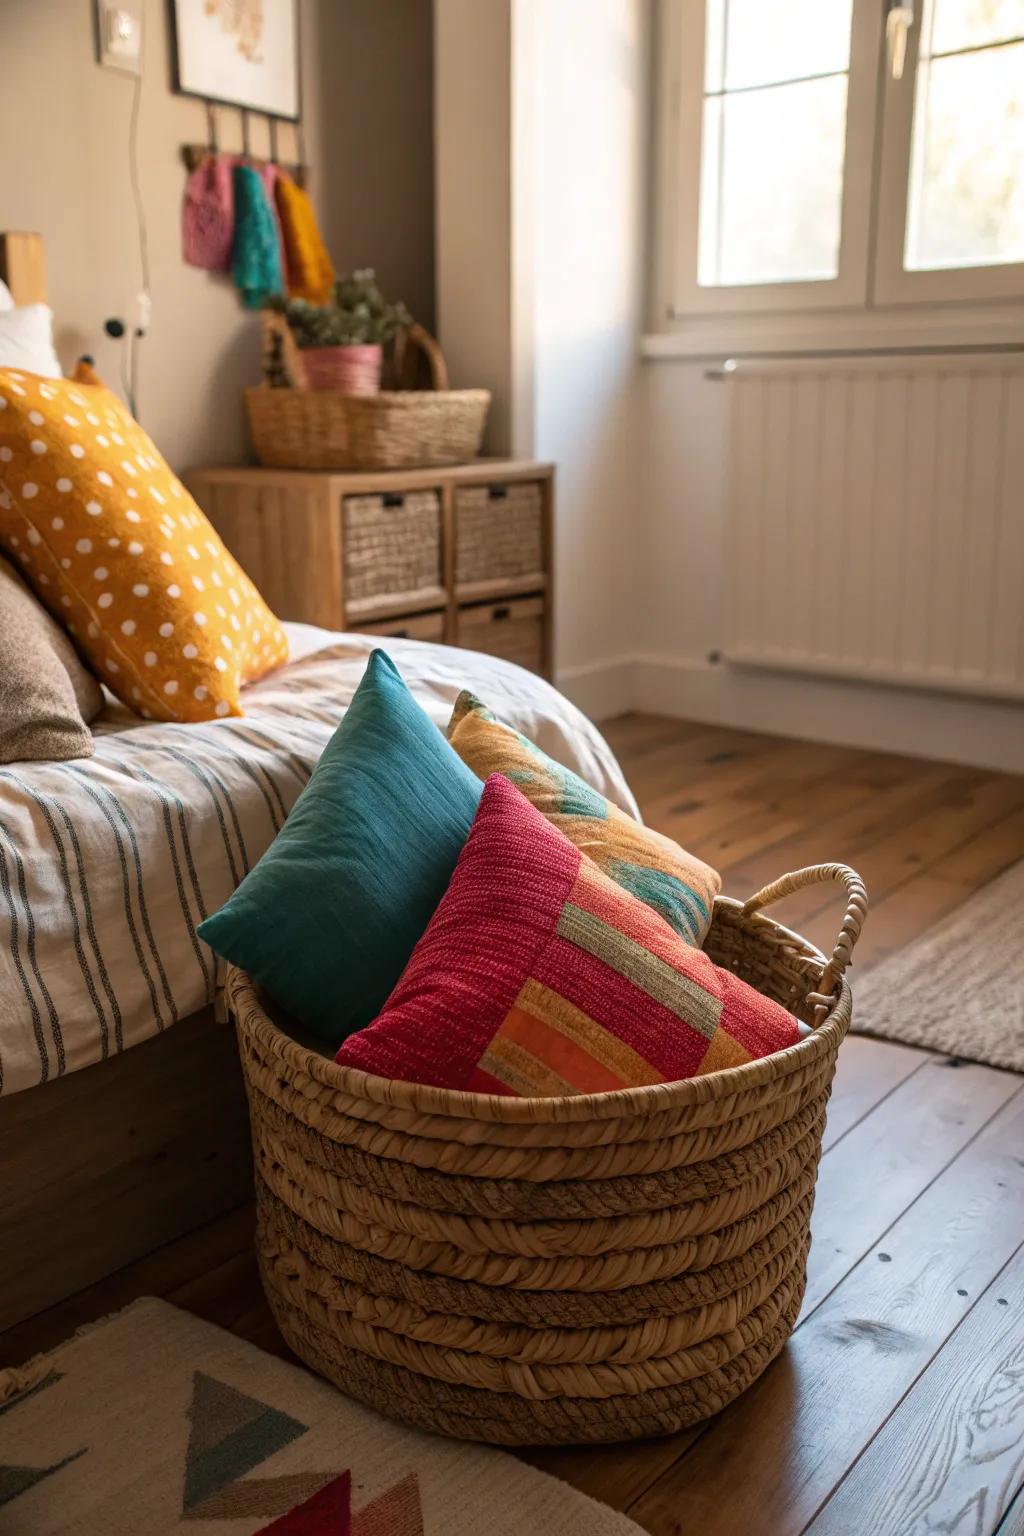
<point>122,1117</point>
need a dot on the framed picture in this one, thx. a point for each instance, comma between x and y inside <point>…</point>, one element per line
<point>244,53</point>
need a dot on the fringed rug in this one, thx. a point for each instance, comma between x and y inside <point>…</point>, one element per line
<point>960,989</point>
<point>155,1422</point>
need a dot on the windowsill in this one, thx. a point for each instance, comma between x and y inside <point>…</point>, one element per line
<point>922,328</point>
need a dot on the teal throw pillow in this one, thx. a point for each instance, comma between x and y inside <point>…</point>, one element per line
<point>329,916</point>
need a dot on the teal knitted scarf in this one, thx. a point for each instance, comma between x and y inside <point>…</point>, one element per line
<point>256,257</point>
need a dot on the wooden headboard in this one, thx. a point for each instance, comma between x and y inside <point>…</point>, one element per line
<point>23,267</point>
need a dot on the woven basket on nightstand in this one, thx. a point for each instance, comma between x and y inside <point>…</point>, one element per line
<point>294,427</point>
<point>594,1268</point>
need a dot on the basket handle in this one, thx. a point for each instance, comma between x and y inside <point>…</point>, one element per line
<point>849,933</point>
<point>408,342</point>
<point>281,352</point>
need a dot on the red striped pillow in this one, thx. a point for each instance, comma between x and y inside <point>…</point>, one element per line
<point>538,975</point>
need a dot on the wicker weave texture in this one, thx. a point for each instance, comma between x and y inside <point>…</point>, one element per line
<point>397,429</point>
<point>293,426</point>
<point>521,1271</point>
<point>498,532</point>
<point>392,545</point>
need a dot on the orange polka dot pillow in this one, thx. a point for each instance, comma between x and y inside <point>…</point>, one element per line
<point>119,552</point>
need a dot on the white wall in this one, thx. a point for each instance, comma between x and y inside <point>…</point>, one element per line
<point>540,129</point>
<point>586,91</point>
<point>682,445</point>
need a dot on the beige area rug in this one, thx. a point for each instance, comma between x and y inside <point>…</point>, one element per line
<point>155,1422</point>
<point>960,989</point>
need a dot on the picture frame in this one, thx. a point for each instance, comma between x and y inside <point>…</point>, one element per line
<point>239,53</point>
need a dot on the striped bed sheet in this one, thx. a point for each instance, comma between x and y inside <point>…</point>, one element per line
<point>107,865</point>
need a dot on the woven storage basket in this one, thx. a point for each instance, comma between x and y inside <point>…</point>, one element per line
<point>294,427</point>
<point>499,532</point>
<point>589,1268</point>
<point>392,544</point>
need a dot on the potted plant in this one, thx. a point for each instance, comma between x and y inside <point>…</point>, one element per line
<point>342,342</point>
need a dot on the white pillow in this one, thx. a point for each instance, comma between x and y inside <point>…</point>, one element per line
<point>6,301</point>
<point>26,340</point>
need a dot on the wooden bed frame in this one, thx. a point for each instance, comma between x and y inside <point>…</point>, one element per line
<point>105,1165</point>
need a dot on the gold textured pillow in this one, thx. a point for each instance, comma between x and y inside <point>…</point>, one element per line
<point>117,549</point>
<point>652,867</point>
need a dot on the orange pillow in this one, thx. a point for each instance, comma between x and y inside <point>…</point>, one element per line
<point>117,549</point>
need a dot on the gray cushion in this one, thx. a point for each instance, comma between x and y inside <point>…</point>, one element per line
<point>46,695</point>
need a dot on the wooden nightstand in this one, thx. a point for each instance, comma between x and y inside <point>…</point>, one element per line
<point>460,555</point>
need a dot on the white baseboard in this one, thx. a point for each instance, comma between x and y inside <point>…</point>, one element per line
<point>921,723</point>
<point>601,689</point>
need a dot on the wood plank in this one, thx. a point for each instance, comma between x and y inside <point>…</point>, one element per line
<point>616,1475</point>
<point>633,734</point>
<point>733,769</point>
<point>906,1142</point>
<point>773,812</point>
<point>951,1457</point>
<point>847,833</point>
<point>799,1428</point>
<point>907,851</point>
<point>866,1073</point>
<point>166,1271</point>
<point>110,1162</point>
<point>986,855</point>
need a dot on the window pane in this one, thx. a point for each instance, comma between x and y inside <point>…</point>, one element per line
<point>966,204</point>
<point>759,42</point>
<point>771,184</point>
<point>972,23</point>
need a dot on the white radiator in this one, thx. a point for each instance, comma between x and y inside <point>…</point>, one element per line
<point>876,520</point>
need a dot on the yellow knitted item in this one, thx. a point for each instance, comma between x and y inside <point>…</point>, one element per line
<point>309,271</point>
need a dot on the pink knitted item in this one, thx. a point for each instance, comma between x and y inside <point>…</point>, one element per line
<point>538,975</point>
<point>208,215</point>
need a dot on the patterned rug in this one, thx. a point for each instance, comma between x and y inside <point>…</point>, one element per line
<point>960,989</point>
<point>154,1422</point>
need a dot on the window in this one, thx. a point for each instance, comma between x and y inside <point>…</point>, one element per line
<point>839,155</point>
<point>773,141</point>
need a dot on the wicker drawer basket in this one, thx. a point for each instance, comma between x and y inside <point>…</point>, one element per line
<point>520,1271</point>
<point>513,630</point>
<point>498,532</point>
<point>392,547</point>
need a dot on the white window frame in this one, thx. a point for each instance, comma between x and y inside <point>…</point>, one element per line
<point>894,284</point>
<point>873,304</point>
<point>685,48</point>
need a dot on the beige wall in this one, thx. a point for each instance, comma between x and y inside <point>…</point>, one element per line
<point>377,142</point>
<point>64,130</point>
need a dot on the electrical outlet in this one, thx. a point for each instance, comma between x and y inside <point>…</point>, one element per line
<point>119,34</point>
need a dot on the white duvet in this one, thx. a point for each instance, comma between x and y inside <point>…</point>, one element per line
<point>107,865</point>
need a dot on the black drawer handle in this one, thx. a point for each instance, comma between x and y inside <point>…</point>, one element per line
<point>393,498</point>
<point>400,634</point>
<point>497,492</point>
<point>501,613</point>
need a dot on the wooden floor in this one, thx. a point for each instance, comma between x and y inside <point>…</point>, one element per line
<point>898,1407</point>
